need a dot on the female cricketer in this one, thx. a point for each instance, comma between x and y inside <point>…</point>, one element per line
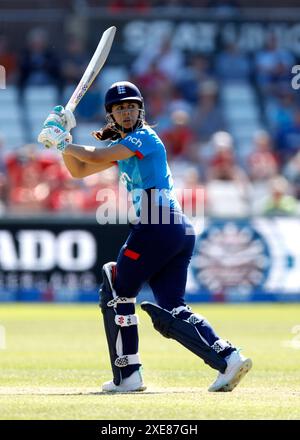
<point>158,249</point>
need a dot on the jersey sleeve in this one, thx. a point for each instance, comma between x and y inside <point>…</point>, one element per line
<point>140,142</point>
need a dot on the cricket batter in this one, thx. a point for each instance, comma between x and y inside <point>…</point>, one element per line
<point>157,251</point>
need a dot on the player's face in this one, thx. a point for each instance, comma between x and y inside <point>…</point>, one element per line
<point>126,114</point>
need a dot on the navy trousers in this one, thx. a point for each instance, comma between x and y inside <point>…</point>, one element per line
<point>160,255</point>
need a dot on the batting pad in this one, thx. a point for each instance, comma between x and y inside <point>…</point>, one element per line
<point>184,333</point>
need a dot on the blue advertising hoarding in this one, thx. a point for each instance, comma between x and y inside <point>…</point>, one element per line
<point>234,260</point>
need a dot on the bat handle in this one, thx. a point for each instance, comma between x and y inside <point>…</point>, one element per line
<point>71,107</point>
<point>70,118</point>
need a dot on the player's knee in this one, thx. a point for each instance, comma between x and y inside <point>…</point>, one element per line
<point>110,291</point>
<point>107,292</point>
<point>186,313</point>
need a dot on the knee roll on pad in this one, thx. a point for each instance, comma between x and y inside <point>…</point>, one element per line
<point>185,333</point>
<point>113,322</point>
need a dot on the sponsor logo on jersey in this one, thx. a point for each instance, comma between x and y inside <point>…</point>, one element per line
<point>137,142</point>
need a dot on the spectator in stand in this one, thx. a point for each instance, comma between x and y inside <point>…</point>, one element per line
<point>262,165</point>
<point>74,61</point>
<point>17,162</point>
<point>68,197</point>
<point>91,107</point>
<point>39,64</point>
<point>179,137</point>
<point>292,172</point>
<point>196,72</point>
<point>158,89</point>
<point>232,65</point>
<point>30,195</point>
<point>169,60</point>
<point>223,165</point>
<point>273,67</point>
<point>8,60</point>
<point>207,117</point>
<point>228,187</point>
<point>288,139</point>
<point>157,109</point>
<point>280,202</point>
<point>27,173</point>
<point>280,110</point>
<point>191,195</point>
<point>262,162</point>
<point>177,101</point>
<point>153,78</point>
<point>53,178</point>
<point>159,93</point>
<point>27,157</point>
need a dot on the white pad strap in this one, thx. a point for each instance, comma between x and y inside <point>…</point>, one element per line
<point>126,320</point>
<point>179,309</point>
<point>195,318</point>
<point>120,300</point>
<point>220,345</point>
<point>127,359</point>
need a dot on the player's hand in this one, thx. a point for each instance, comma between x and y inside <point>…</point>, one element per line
<point>61,116</point>
<point>55,136</point>
<point>106,133</point>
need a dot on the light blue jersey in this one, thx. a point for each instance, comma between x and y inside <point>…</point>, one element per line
<point>148,168</point>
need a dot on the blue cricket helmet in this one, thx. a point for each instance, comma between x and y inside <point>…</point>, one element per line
<point>122,91</point>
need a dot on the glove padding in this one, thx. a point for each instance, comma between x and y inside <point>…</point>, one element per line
<point>55,136</point>
<point>61,116</point>
<point>106,133</point>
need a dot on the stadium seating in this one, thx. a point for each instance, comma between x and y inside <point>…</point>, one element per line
<point>241,111</point>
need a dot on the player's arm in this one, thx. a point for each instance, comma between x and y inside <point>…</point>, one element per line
<point>79,169</point>
<point>97,156</point>
<point>94,160</point>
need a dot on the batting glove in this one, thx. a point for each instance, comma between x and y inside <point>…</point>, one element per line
<point>55,135</point>
<point>61,116</point>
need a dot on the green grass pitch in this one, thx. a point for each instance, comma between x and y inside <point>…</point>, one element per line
<point>56,358</point>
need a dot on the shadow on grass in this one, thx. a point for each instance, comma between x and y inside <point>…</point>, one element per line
<point>30,391</point>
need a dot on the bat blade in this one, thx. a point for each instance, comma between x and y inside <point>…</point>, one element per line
<point>93,68</point>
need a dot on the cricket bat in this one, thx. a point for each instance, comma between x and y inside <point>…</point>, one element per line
<point>93,68</point>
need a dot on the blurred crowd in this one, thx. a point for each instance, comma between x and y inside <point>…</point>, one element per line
<point>182,98</point>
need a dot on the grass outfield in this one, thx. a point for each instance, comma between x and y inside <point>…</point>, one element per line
<point>56,359</point>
